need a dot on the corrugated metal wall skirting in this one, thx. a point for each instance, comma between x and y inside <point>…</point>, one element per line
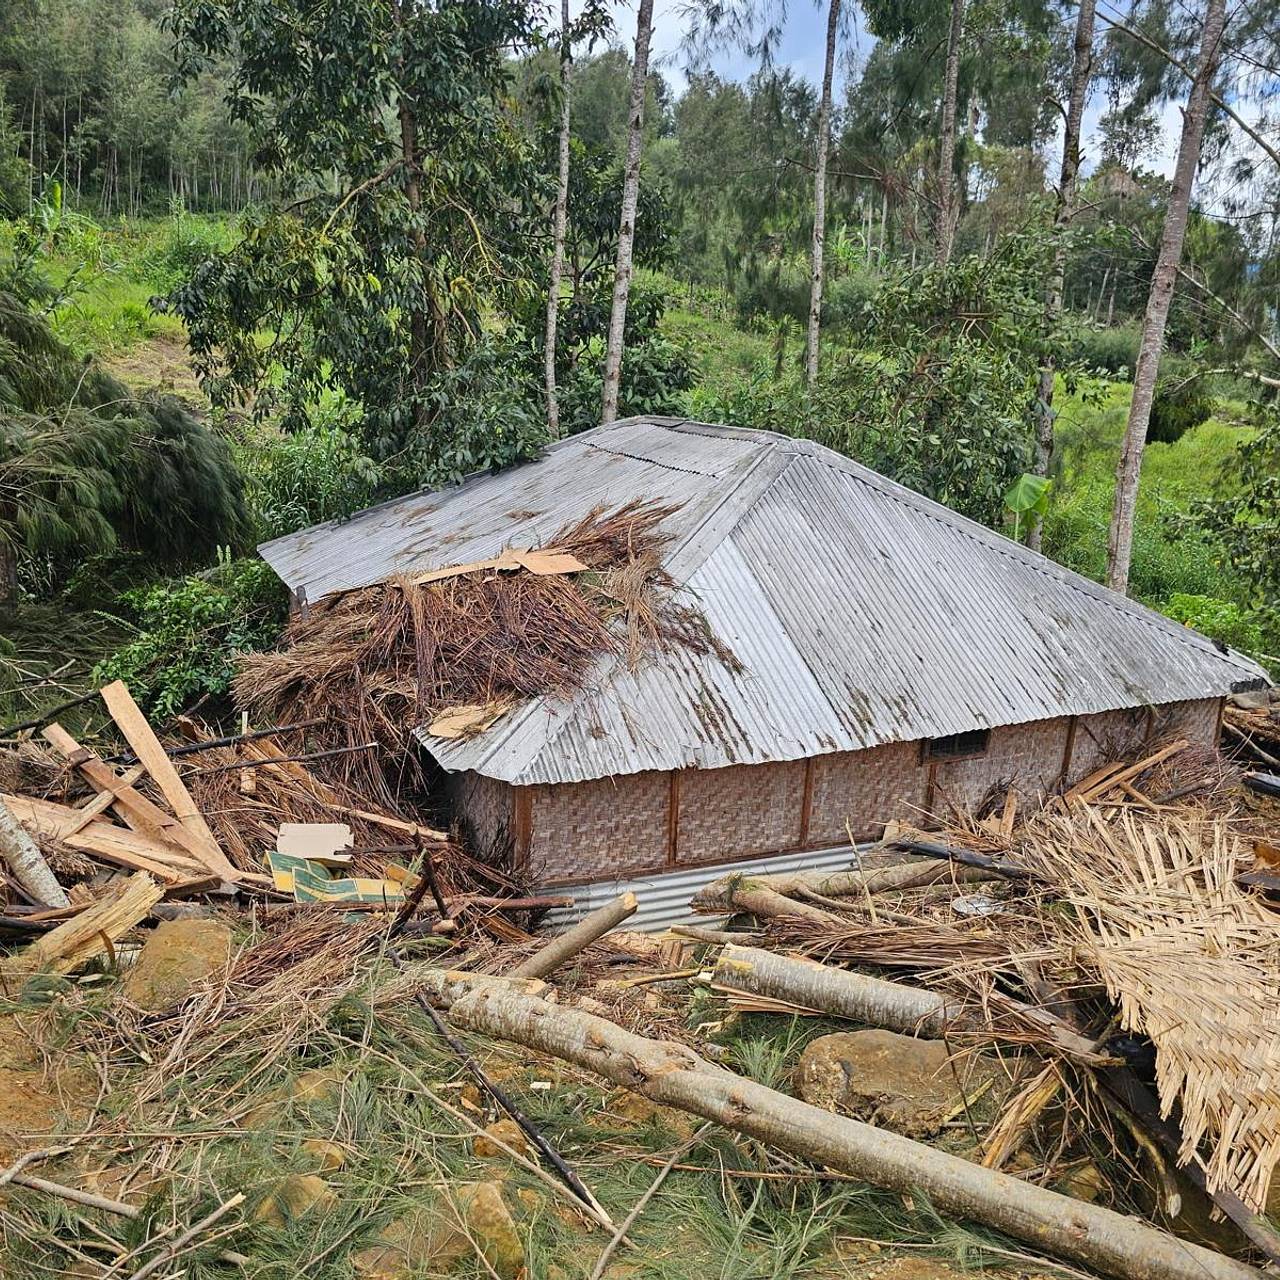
<point>664,896</point>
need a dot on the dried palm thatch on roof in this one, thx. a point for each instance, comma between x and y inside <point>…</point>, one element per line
<point>384,659</point>
<point>1191,960</point>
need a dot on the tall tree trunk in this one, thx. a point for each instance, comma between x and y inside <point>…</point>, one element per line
<point>1064,211</point>
<point>946,221</point>
<point>1163,279</point>
<point>557,235</point>
<point>820,199</point>
<point>627,223</point>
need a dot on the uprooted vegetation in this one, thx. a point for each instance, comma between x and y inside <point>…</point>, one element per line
<point>468,643</point>
<point>1002,992</point>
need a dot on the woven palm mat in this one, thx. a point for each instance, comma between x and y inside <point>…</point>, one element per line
<point>1191,960</point>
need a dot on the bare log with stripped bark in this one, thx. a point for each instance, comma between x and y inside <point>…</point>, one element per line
<point>858,997</point>
<point>779,895</point>
<point>26,863</point>
<point>674,1075</point>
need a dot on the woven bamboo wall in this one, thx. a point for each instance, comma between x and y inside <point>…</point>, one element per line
<point>617,827</point>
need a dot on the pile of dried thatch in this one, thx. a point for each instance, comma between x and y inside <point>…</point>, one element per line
<point>380,661</point>
<point>1192,961</point>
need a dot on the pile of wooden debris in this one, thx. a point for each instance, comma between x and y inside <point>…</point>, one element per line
<point>228,820</point>
<point>1091,986</point>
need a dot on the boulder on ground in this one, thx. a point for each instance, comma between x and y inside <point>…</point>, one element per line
<point>295,1196</point>
<point>178,956</point>
<point>904,1083</point>
<point>427,1241</point>
<point>505,1131</point>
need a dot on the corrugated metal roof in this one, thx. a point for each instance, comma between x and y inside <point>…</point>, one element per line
<point>862,612</point>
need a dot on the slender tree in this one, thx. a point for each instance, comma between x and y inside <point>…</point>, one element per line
<point>627,222</point>
<point>1064,210</point>
<point>558,232</point>
<point>820,198</point>
<point>1163,279</point>
<point>946,219</point>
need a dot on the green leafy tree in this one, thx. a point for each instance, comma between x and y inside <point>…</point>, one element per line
<point>411,193</point>
<point>1246,525</point>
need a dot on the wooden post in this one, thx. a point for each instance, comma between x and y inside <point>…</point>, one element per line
<point>1068,751</point>
<point>806,804</point>
<point>673,818</point>
<point>521,825</point>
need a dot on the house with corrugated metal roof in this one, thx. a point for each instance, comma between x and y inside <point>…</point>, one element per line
<point>893,657</point>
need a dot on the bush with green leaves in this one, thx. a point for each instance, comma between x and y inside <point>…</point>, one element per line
<point>1221,620</point>
<point>657,370</point>
<point>1244,524</point>
<point>936,388</point>
<point>190,631</point>
<point>1113,350</point>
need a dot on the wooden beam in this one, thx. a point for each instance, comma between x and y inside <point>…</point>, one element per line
<point>139,812</point>
<point>152,756</point>
<point>136,850</point>
<point>673,818</point>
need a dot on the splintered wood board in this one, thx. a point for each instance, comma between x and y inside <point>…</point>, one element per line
<point>146,746</point>
<point>139,812</point>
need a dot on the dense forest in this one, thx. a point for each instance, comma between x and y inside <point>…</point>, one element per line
<point>399,243</point>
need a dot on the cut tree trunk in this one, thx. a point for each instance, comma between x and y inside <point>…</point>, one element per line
<point>673,1075</point>
<point>735,891</point>
<point>582,935</point>
<point>813,338</point>
<point>1163,280</point>
<point>842,993</point>
<point>558,229</point>
<point>1064,211</point>
<point>627,223</point>
<point>946,213</point>
<point>26,863</point>
<point>893,1005</point>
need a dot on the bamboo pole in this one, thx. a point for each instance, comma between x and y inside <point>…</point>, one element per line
<point>673,1075</point>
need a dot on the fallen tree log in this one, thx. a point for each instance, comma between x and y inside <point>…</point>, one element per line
<point>879,1003</point>
<point>769,895</point>
<point>673,1075</point>
<point>567,945</point>
<point>26,863</point>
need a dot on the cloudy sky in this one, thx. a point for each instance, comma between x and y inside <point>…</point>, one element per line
<point>802,50</point>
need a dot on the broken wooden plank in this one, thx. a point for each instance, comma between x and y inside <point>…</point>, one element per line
<point>100,803</point>
<point>1132,771</point>
<point>134,850</point>
<point>93,931</point>
<point>139,812</point>
<point>146,746</point>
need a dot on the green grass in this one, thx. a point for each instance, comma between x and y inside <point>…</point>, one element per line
<point>723,353</point>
